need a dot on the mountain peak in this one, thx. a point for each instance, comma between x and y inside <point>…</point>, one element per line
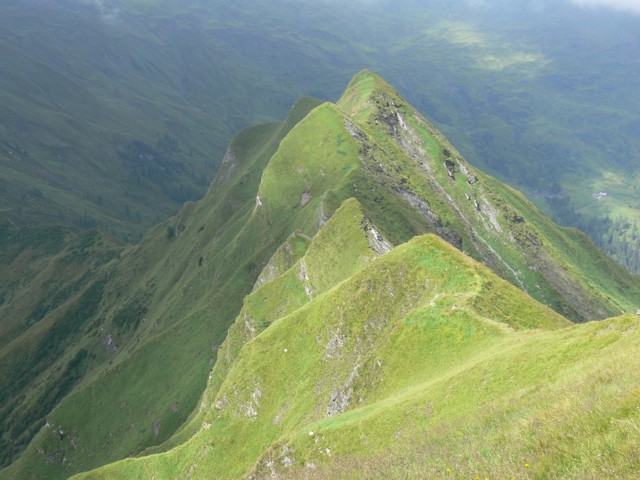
<point>355,101</point>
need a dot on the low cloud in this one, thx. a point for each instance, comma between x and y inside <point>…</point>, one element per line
<point>632,6</point>
<point>627,5</point>
<point>107,14</point>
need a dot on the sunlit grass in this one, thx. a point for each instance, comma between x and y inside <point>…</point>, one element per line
<point>459,33</point>
<point>501,62</point>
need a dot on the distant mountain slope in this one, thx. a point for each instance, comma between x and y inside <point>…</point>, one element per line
<point>112,117</point>
<point>91,131</point>
<point>298,207</point>
<point>113,113</point>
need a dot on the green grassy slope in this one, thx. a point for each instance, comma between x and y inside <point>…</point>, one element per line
<point>403,152</point>
<point>278,221</point>
<point>400,371</point>
<point>545,405</point>
<point>48,287</point>
<point>147,310</point>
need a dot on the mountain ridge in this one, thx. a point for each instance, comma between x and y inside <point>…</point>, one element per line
<point>298,438</point>
<point>171,299</point>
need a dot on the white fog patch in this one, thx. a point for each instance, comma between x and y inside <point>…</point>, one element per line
<point>478,3</point>
<point>628,5</point>
<point>542,6</point>
<point>107,14</point>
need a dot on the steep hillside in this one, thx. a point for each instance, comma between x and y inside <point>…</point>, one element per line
<point>495,224</point>
<point>142,308</point>
<point>48,285</point>
<point>297,214</point>
<point>353,381</point>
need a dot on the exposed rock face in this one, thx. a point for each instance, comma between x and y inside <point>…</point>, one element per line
<point>340,398</point>
<point>303,276</point>
<point>450,166</point>
<point>250,408</point>
<point>305,198</point>
<point>377,242</point>
<point>109,344</point>
<point>227,167</point>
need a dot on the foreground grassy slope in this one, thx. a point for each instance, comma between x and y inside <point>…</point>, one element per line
<point>422,362</point>
<point>551,405</point>
<point>275,222</point>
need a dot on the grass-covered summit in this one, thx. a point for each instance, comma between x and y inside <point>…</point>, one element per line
<point>290,257</point>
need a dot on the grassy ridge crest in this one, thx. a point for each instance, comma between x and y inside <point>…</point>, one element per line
<point>416,343</point>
